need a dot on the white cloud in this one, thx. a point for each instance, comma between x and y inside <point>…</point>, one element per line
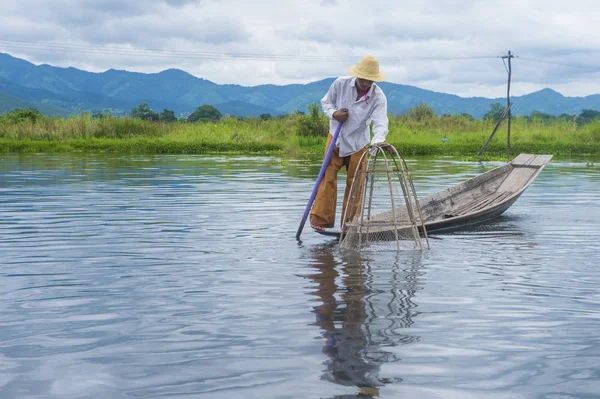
<point>405,35</point>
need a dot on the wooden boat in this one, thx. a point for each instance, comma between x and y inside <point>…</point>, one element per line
<point>479,199</point>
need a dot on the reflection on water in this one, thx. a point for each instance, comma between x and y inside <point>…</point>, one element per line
<point>179,277</point>
<point>363,310</point>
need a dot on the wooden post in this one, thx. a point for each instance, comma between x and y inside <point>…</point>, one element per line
<point>510,56</point>
<point>506,112</point>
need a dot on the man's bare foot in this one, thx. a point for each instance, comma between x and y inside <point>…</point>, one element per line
<point>317,228</point>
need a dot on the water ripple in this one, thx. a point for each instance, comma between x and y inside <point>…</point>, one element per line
<point>179,276</point>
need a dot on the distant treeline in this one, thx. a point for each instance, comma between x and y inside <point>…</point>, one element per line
<point>420,131</point>
<point>314,118</point>
<point>583,118</point>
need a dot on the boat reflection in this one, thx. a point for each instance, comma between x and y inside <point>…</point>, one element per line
<point>364,312</point>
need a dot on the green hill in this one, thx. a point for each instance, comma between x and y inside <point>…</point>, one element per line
<point>72,91</point>
<point>9,103</point>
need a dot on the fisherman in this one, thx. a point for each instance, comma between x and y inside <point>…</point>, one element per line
<point>355,101</point>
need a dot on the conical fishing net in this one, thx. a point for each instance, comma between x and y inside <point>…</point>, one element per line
<point>383,206</point>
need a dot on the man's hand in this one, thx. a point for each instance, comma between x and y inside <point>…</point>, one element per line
<point>383,146</point>
<point>341,115</point>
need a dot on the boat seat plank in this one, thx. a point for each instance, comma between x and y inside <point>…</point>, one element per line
<point>531,160</point>
<point>523,159</point>
<point>517,179</point>
<point>541,160</point>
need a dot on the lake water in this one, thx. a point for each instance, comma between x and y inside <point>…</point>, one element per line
<point>179,277</point>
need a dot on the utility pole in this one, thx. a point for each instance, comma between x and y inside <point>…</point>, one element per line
<point>509,57</point>
<point>506,113</point>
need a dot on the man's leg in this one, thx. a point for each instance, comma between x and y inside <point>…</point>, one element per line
<point>322,214</point>
<point>351,167</point>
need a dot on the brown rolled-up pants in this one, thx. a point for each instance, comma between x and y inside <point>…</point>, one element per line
<point>323,211</point>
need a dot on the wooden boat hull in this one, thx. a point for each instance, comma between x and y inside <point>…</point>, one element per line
<point>479,199</point>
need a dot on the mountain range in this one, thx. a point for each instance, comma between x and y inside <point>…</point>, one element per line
<point>66,91</point>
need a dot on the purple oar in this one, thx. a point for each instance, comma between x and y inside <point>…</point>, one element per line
<point>321,174</point>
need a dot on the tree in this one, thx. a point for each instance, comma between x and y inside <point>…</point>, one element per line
<point>205,113</point>
<point>143,111</point>
<point>495,112</point>
<point>265,117</point>
<point>313,124</point>
<point>106,113</point>
<point>587,116</point>
<point>566,117</point>
<point>167,116</point>
<point>537,116</point>
<point>19,114</point>
<point>421,112</point>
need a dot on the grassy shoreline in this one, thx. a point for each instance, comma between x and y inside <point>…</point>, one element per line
<point>286,136</point>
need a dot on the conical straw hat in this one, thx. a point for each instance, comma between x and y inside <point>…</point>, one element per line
<point>367,68</point>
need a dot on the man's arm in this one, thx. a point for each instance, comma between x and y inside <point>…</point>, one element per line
<point>328,103</point>
<point>380,121</point>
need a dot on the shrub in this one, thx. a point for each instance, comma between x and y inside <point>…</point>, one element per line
<point>19,115</point>
<point>313,124</point>
<point>205,113</point>
<point>421,112</point>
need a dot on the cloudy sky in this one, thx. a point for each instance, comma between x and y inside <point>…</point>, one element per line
<point>448,46</point>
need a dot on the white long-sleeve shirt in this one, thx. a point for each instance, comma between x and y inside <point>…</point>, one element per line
<point>355,133</point>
